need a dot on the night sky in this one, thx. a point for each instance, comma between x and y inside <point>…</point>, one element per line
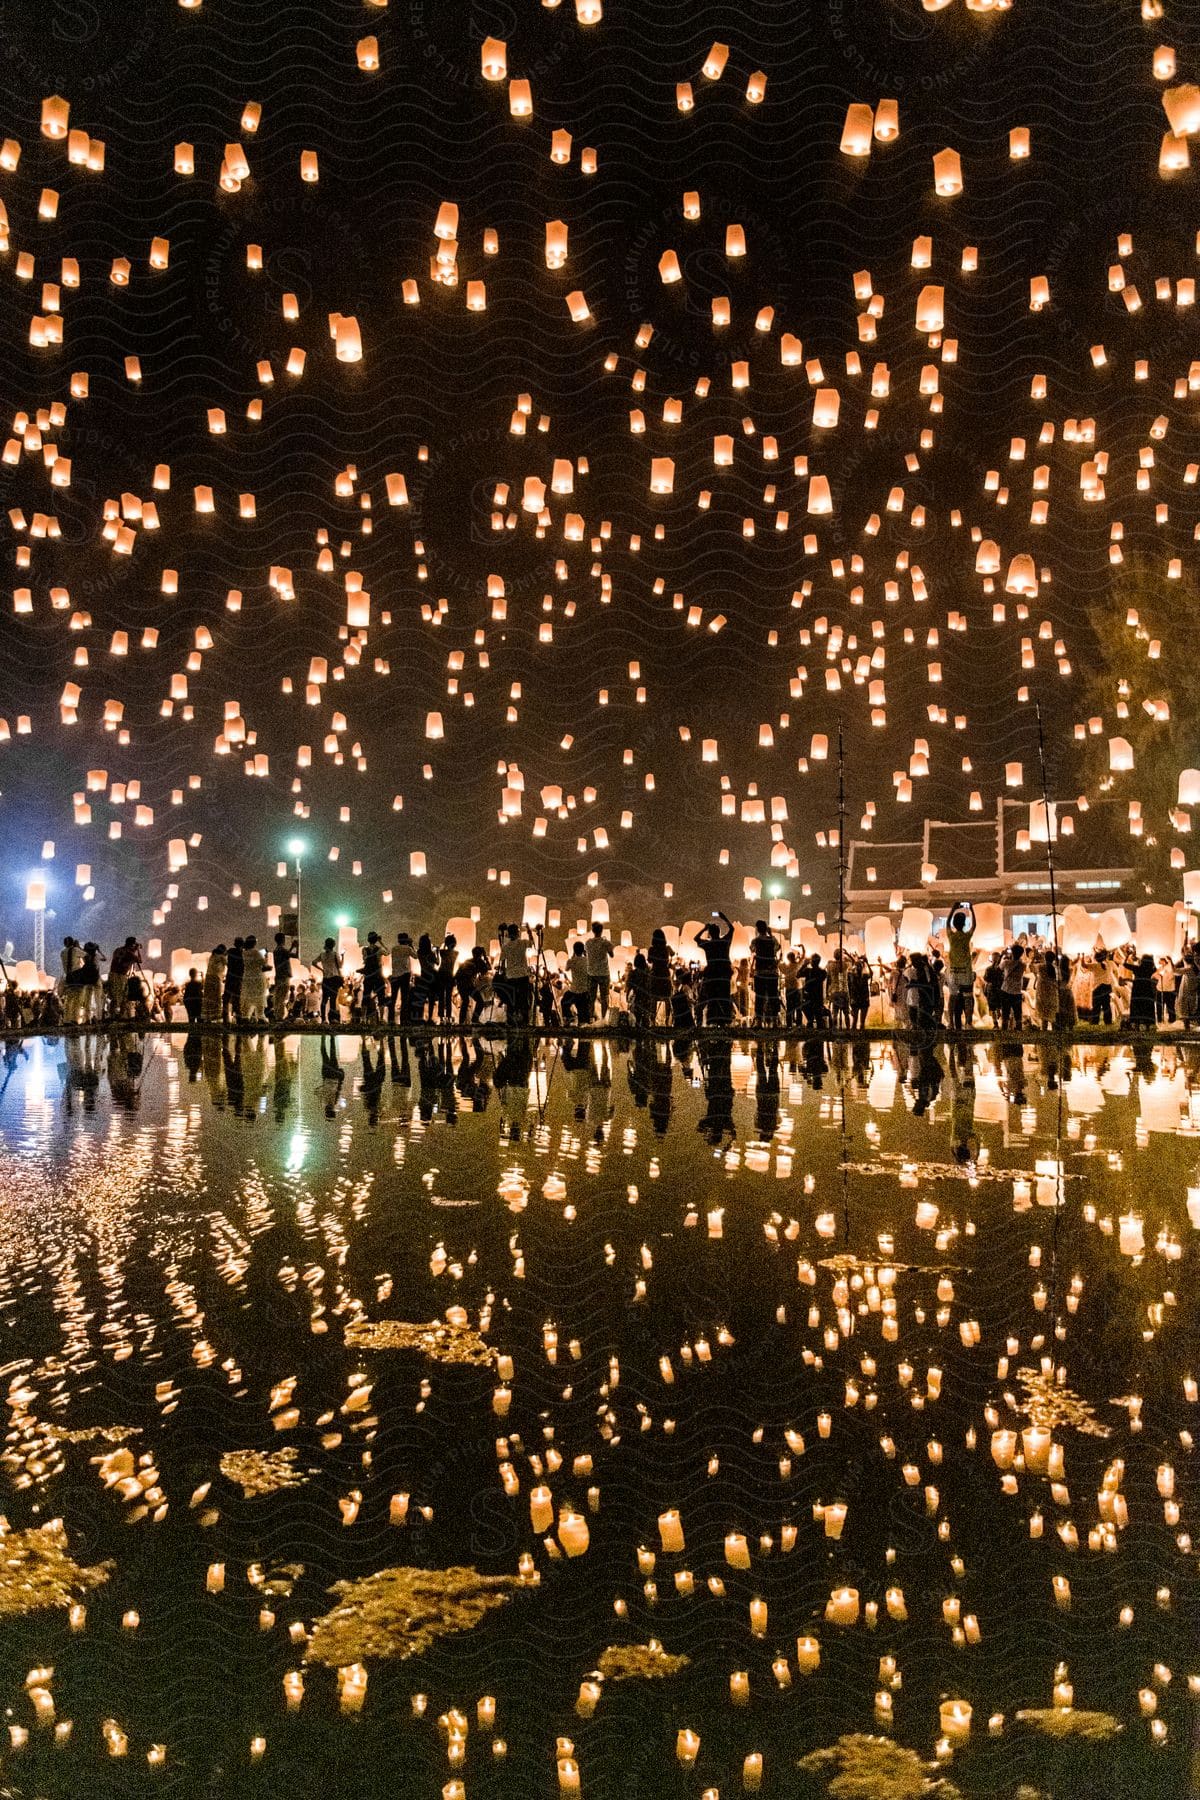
<point>434,393</point>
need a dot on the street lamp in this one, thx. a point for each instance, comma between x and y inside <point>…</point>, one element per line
<point>296,849</point>
<point>35,902</point>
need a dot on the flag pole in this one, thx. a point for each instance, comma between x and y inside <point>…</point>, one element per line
<point>1049,826</point>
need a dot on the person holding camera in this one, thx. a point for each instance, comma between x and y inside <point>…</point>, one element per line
<point>716,988</point>
<point>961,969</point>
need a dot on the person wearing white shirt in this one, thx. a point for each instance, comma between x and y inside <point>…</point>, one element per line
<point>400,980</point>
<point>599,949</point>
<point>576,1001</point>
<point>514,957</point>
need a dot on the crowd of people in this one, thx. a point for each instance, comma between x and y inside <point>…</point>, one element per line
<point>684,987</point>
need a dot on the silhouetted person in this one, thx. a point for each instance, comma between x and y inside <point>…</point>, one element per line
<point>716,989</point>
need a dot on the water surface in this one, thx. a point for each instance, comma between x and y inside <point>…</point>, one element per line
<point>748,1292</point>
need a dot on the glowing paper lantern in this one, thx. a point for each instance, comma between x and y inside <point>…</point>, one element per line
<point>1043,822</point>
<point>493,58</point>
<point>989,926</point>
<point>880,938</point>
<point>857,130</point>
<point>955,1719</point>
<point>465,935</point>
<point>1157,931</point>
<point>183,960</point>
<point>1181,105</point>
<point>916,928</point>
<point>947,173</point>
<point>1022,577</point>
<point>1113,928</point>
<point>931,309</point>
<point>347,339</point>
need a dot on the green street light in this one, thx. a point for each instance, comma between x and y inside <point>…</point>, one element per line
<point>296,849</point>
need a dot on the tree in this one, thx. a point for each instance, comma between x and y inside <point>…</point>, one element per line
<point>1145,656</point>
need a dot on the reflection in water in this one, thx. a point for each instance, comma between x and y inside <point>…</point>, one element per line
<point>656,1419</point>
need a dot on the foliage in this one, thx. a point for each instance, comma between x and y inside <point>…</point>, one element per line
<point>623,1662</point>
<point>400,1612</point>
<point>1124,670</point>
<point>861,1767</point>
<point>37,1570</point>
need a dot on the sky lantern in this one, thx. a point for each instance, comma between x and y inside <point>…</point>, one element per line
<point>931,309</point>
<point>826,407</point>
<point>1157,931</point>
<point>1181,105</point>
<point>347,338</point>
<point>56,114</point>
<point>493,57</point>
<point>1022,577</point>
<point>556,243</point>
<point>857,130</point>
<point>1174,155</point>
<point>947,173</point>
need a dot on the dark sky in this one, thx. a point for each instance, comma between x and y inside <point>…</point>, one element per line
<point>426,128</point>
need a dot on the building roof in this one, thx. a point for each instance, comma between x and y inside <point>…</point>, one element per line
<point>979,857</point>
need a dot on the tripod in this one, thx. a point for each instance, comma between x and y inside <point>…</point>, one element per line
<point>543,992</point>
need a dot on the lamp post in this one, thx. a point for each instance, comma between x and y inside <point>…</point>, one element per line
<point>35,902</point>
<point>296,849</point>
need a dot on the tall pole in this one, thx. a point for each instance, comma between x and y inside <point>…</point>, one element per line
<point>841,918</point>
<point>299,897</point>
<point>1049,827</point>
